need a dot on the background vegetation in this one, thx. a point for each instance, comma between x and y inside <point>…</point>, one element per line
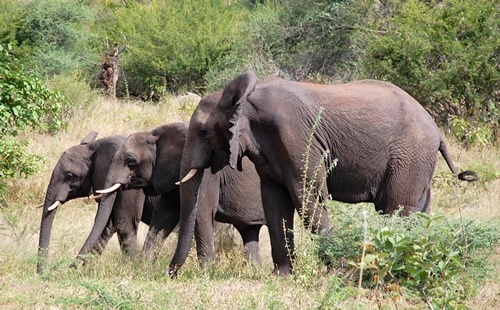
<point>444,53</point>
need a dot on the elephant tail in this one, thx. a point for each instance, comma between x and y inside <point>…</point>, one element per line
<point>468,175</point>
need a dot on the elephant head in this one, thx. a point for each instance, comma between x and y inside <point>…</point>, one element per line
<point>212,142</point>
<point>215,137</point>
<point>149,161</point>
<point>74,176</point>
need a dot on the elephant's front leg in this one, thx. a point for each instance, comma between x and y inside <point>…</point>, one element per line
<point>128,211</point>
<point>310,204</point>
<point>278,209</point>
<point>207,202</point>
<point>163,220</point>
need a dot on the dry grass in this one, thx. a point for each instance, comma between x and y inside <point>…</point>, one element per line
<point>111,281</point>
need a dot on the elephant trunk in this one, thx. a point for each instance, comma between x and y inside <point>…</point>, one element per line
<point>189,193</point>
<point>101,219</point>
<point>54,194</point>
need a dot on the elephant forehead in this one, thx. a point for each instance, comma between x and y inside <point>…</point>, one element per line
<point>138,145</point>
<point>75,157</point>
<point>206,107</point>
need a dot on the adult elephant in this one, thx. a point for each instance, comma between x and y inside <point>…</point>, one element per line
<point>151,160</point>
<point>383,141</point>
<point>80,171</point>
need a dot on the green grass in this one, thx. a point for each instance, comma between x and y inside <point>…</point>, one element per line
<point>114,282</point>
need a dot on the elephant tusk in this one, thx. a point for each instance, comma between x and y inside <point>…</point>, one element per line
<point>95,197</point>
<point>178,183</point>
<point>109,189</point>
<point>189,176</point>
<point>39,206</point>
<point>54,205</point>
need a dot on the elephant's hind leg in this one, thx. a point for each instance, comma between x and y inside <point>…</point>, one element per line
<point>424,204</point>
<point>250,236</point>
<point>406,189</point>
<point>163,221</point>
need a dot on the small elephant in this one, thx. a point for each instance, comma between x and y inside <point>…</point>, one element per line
<point>380,142</point>
<point>81,170</point>
<point>152,161</point>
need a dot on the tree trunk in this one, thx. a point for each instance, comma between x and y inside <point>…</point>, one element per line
<point>110,71</point>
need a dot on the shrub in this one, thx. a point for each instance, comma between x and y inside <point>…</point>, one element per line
<point>56,35</point>
<point>445,54</point>
<point>252,50</point>
<point>25,103</point>
<point>172,44</point>
<point>305,40</point>
<point>77,93</point>
<point>11,19</point>
<point>424,255</point>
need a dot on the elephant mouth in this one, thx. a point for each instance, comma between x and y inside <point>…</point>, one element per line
<point>137,183</point>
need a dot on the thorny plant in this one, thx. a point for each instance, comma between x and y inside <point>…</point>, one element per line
<point>312,187</point>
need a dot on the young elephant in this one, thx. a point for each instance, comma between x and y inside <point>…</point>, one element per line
<point>152,160</point>
<point>81,170</point>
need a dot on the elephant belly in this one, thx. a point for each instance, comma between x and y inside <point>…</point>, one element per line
<point>242,215</point>
<point>352,189</point>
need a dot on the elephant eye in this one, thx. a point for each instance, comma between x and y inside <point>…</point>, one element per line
<point>203,132</point>
<point>69,176</point>
<point>131,162</point>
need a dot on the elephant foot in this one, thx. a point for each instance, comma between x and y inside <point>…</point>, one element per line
<point>282,271</point>
<point>79,261</point>
<point>172,272</point>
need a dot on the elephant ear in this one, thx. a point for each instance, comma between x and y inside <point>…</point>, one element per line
<point>90,137</point>
<point>169,147</point>
<point>235,93</point>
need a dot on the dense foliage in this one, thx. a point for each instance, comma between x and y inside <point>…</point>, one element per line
<point>172,44</point>
<point>434,258</point>
<point>445,54</point>
<point>25,103</point>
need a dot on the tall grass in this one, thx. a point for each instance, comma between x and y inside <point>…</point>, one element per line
<point>111,281</point>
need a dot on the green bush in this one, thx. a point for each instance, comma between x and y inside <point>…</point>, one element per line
<point>435,258</point>
<point>77,94</point>
<point>304,40</point>
<point>56,35</point>
<point>251,51</point>
<point>11,19</point>
<point>445,54</point>
<point>172,44</point>
<point>25,103</point>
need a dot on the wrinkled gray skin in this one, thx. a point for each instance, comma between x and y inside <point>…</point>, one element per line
<point>81,170</point>
<point>151,160</point>
<point>385,142</point>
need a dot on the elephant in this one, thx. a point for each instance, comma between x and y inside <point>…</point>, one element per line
<point>151,160</point>
<point>81,170</point>
<point>363,141</point>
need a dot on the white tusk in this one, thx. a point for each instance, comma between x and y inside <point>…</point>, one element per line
<point>109,189</point>
<point>178,183</point>
<point>54,205</point>
<point>189,176</point>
